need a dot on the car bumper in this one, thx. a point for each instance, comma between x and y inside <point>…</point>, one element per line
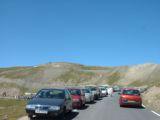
<point>131,103</point>
<point>88,99</point>
<point>104,94</point>
<point>49,113</point>
<point>76,105</point>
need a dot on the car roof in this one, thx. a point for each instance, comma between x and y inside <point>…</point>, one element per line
<point>53,89</point>
<point>90,86</point>
<point>74,88</point>
<point>129,89</point>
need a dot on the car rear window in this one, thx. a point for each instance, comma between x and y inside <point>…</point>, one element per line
<point>103,89</point>
<point>57,94</point>
<point>75,91</point>
<point>93,89</point>
<point>86,91</point>
<point>131,92</point>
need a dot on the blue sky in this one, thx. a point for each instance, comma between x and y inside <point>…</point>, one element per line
<point>91,32</point>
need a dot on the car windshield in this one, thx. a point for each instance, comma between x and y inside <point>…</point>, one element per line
<point>103,89</point>
<point>57,94</point>
<point>93,89</point>
<point>86,91</point>
<point>75,91</point>
<point>116,88</point>
<point>131,92</point>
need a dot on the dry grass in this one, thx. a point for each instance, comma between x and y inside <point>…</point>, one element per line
<point>12,109</point>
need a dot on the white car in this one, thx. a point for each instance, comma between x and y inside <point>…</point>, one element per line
<point>104,91</point>
<point>88,95</point>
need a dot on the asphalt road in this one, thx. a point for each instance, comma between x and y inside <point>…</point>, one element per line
<point>108,109</point>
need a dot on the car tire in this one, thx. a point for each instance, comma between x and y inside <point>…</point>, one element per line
<point>140,105</point>
<point>62,116</point>
<point>70,111</point>
<point>30,117</point>
<point>83,105</point>
<point>120,105</point>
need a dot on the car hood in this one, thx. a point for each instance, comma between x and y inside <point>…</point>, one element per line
<point>46,101</point>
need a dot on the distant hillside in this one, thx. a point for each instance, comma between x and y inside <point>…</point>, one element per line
<point>60,74</point>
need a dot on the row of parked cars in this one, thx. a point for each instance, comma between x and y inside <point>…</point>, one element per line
<point>57,102</point>
<point>54,101</point>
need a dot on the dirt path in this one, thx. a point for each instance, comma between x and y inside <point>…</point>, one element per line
<point>23,118</point>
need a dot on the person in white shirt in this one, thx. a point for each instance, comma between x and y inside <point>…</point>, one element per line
<point>110,91</point>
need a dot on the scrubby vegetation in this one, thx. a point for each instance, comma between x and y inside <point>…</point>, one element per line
<point>12,109</point>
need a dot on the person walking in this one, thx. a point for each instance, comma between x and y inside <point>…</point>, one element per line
<point>110,91</point>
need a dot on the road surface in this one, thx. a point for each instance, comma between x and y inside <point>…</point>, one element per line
<point>108,109</point>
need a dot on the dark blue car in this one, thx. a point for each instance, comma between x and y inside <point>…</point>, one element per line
<point>49,103</point>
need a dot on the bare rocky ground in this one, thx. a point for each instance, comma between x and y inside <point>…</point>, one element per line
<point>152,98</point>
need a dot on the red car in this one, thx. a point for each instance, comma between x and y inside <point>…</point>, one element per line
<point>130,96</point>
<point>78,97</point>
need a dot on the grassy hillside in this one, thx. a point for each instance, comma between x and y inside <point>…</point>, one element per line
<point>60,74</point>
<point>11,109</point>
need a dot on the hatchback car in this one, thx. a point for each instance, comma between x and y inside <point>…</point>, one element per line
<point>88,95</point>
<point>78,97</point>
<point>95,91</point>
<point>116,88</point>
<point>129,96</point>
<point>49,103</point>
<point>103,91</point>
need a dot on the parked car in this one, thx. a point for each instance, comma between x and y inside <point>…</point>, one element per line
<point>105,86</point>
<point>49,102</point>
<point>116,88</point>
<point>88,95</point>
<point>103,91</point>
<point>130,96</point>
<point>78,97</point>
<point>95,91</point>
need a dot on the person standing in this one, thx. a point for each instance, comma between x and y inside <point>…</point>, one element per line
<point>110,91</point>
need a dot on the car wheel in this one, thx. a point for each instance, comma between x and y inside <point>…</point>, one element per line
<point>120,105</point>
<point>30,117</point>
<point>140,105</point>
<point>70,110</point>
<point>62,116</point>
<point>84,105</point>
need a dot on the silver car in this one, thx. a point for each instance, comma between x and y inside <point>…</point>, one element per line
<point>88,95</point>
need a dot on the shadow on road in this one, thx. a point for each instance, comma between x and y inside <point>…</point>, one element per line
<point>92,103</point>
<point>85,107</point>
<point>99,99</point>
<point>134,107</point>
<point>68,116</point>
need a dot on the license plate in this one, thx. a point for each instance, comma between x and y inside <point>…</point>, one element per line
<point>130,101</point>
<point>41,111</point>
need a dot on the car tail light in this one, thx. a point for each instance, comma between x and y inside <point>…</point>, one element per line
<point>76,100</point>
<point>124,99</point>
